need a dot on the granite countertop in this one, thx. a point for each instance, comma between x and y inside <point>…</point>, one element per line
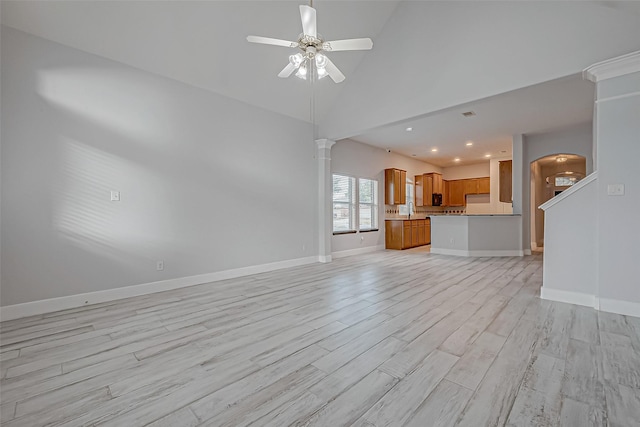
<point>431,215</point>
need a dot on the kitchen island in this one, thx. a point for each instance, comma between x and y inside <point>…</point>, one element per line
<point>477,235</point>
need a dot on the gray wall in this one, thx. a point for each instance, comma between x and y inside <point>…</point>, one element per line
<point>570,262</point>
<point>207,183</point>
<point>574,140</point>
<point>618,139</point>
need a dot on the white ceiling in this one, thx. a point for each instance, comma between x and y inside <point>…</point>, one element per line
<point>507,61</point>
<point>203,43</point>
<point>540,108</point>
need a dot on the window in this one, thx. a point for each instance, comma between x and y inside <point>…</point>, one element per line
<point>354,199</point>
<point>368,204</point>
<point>404,209</point>
<point>564,181</point>
<point>344,204</point>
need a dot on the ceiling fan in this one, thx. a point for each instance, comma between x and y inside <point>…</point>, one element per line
<point>312,46</point>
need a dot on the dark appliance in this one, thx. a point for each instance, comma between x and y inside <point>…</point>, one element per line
<point>436,199</point>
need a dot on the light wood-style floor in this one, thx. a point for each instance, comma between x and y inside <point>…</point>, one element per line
<point>385,339</point>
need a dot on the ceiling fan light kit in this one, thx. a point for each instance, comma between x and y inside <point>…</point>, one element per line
<point>311,61</point>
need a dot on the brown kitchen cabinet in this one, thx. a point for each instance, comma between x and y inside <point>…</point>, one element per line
<point>423,189</point>
<point>506,180</point>
<point>456,192</point>
<point>470,186</point>
<point>484,185</point>
<point>405,234</point>
<point>445,193</point>
<point>438,186</point>
<point>426,186</point>
<point>460,188</point>
<point>395,185</point>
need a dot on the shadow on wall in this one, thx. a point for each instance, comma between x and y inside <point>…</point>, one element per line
<point>117,130</point>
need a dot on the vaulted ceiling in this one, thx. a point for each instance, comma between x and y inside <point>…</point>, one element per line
<point>516,64</point>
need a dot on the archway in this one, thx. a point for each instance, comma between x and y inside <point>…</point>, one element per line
<point>550,175</point>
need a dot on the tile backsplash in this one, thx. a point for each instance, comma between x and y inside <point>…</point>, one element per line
<point>393,211</point>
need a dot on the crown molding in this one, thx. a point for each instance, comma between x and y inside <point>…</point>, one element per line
<point>614,67</point>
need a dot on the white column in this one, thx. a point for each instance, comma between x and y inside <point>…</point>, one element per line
<point>520,190</point>
<point>325,223</point>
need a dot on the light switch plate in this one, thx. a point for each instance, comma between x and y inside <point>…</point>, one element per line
<point>115,196</point>
<point>615,190</point>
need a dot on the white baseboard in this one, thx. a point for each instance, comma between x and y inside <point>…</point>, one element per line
<point>483,253</point>
<point>568,297</point>
<point>324,258</point>
<point>357,251</point>
<point>34,308</point>
<point>627,308</point>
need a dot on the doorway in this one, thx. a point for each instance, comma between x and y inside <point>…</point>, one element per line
<point>550,176</point>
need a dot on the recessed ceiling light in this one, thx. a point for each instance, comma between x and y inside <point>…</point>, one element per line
<point>469,143</point>
<point>561,159</point>
<point>469,114</point>
<point>487,155</point>
<point>434,150</point>
<point>457,159</point>
<point>409,129</point>
<point>569,173</point>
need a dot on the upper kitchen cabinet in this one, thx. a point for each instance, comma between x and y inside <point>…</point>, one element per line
<point>423,190</point>
<point>456,192</point>
<point>395,187</point>
<point>426,186</point>
<point>438,186</point>
<point>477,186</point>
<point>460,188</point>
<point>506,178</point>
<point>445,193</point>
<point>484,185</point>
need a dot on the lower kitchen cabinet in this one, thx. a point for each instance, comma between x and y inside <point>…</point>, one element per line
<point>404,234</point>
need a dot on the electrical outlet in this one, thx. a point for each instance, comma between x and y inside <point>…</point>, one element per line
<point>160,265</point>
<point>615,190</point>
<point>115,196</point>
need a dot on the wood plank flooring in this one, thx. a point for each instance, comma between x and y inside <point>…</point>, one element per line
<point>384,339</point>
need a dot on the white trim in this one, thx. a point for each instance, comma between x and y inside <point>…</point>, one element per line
<point>357,251</point>
<point>614,67</point>
<point>568,297</point>
<point>33,308</point>
<point>627,308</point>
<point>569,191</point>
<point>479,253</point>
<point>324,258</point>
<point>325,143</point>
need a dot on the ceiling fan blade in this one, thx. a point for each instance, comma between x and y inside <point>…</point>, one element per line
<point>268,40</point>
<point>287,71</point>
<point>335,74</point>
<point>350,44</point>
<point>308,15</point>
